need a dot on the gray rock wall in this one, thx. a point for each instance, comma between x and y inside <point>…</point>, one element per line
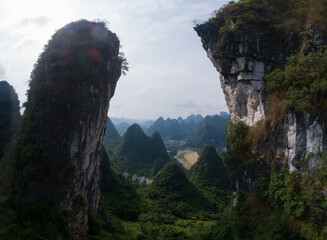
<point>242,57</point>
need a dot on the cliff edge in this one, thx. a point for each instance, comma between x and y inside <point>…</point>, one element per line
<point>9,114</point>
<point>256,46</point>
<point>60,138</point>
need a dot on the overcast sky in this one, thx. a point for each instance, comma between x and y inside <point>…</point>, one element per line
<point>170,74</point>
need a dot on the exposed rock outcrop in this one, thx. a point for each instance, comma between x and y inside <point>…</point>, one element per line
<point>59,149</point>
<point>243,52</point>
<point>242,55</point>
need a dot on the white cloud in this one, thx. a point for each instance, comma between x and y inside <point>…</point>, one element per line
<point>168,66</point>
<point>2,72</point>
<point>26,42</point>
<point>41,21</point>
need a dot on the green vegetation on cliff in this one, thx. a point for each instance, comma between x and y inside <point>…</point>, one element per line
<point>289,37</point>
<point>282,14</point>
<point>303,83</point>
<point>288,206</point>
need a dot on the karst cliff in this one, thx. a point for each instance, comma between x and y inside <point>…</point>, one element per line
<point>60,138</point>
<point>9,112</point>
<point>246,41</point>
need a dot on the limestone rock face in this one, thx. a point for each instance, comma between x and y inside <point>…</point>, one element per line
<point>243,55</point>
<point>294,143</point>
<point>306,137</point>
<point>242,58</point>
<point>65,119</point>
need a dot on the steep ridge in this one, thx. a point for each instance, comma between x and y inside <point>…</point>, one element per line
<point>167,128</point>
<point>210,173</point>
<point>176,129</point>
<point>9,114</point>
<point>171,186</point>
<point>246,41</point>
<point>137,152</point>
<point>59,142</point>
<point>212,130</point>
<point>111,134</point>
<point>190,124</point>
<point>122,127</point>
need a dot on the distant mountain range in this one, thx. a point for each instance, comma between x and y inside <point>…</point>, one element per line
<point>111,133</point>
<point>176,129</point>
<point>212,130</point>
<point>195,130</point>
<point>167,128</point>
<point>198,131</point>
<point>122,124</point>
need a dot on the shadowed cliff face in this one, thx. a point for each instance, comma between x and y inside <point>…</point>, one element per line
<point>9,114</point>
<point>243,51</point>
<point>59,145</point>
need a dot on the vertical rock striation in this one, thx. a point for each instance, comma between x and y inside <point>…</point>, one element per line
<point>242,55</point>
<point>244,45</point>
<point>60,140</point>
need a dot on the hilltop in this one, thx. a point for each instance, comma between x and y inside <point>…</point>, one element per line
<point>137,153</point>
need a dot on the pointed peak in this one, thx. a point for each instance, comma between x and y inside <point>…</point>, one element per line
<point>134,130</point>
<point>156,135</point>
<point>134,127</point>
<point>208,150</point>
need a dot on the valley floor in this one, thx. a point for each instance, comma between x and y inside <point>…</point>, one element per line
<point>187,159</point>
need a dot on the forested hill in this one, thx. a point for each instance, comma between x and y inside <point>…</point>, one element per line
<point>212,130</point>
<point>137,153</point>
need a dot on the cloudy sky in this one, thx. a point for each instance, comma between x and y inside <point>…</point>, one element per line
<point>170,74</point>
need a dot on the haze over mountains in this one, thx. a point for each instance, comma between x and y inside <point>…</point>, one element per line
<point>211,130</point>
<point>63,165</point>
<point>122,123</point>
<point>195,130</point>
<point>137,153</point>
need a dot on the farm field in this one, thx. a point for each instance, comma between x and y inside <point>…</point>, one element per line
<point>187,158</point>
